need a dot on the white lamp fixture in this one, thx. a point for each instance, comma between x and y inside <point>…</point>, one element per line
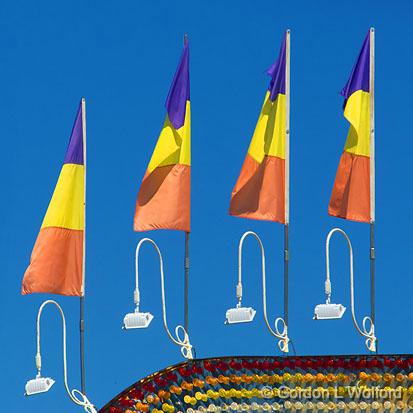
<point>330,311</point>
<point>241,314</point>
<point>38,385</point>
<point>43,384</point>
<point>139,319</point>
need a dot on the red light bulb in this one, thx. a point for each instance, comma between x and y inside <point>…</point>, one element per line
<point>209,366</point>
<point>309,364</point>
<point>246,364</point>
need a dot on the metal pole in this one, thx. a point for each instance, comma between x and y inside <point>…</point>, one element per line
<point>186,260</point>
<point>82,298</point>
<point>372,273</point>
<point>287,171</point>
<point>286,258</point>
<point>186,282</point>
<point>372,183</point>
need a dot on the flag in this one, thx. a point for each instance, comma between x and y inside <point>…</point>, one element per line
<point>259,192</point>
<point>56,264</point>
<point>164,196</point>
<point>350,198</point>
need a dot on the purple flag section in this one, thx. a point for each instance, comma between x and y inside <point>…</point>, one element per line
<point>179,91</point>
<point>74,153</point>
<point>360,75</point>
<point>277,73</point>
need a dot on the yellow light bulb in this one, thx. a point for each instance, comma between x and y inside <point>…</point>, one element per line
<point>234,406</point>
<point>255,406</point>
<point>286,377</point>
<point>167,408</point>
<point>288,405</point>
<point>309,405</point>
<point>276,406</point>
<point>187,399</point>
<point>266,406</point>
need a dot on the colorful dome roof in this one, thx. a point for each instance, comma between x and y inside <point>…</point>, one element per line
<point>238,384</point>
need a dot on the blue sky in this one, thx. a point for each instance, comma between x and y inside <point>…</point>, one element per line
<point>121,56</point>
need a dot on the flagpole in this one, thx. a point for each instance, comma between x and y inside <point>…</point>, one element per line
<point>82,297</point>
<point>287,173</point>
<point>186,260</point>
<point>372,182</point>
<point>186,281</point>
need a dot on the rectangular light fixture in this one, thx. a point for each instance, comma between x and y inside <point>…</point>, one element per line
<point>239,315</point>
<point>137,320</point>
<point>329,311</point>
<point>38,385</point>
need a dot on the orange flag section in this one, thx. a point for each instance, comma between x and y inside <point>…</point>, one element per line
<point>350,198</point>
<point>164,199</point>
<point>56,263</point>
<point>259,191</point>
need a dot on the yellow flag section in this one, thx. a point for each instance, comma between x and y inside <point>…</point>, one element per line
<point>164,196</point>
<point>66,206</point>
<point>173,146</point>
<point>259,192</point>
<point>56,264</point>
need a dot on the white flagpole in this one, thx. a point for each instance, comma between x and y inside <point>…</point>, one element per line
<point>287,171</point>
<point>186,262</point>
<point>372,181</point>
<point>372,143</point>
<point>82,297</point>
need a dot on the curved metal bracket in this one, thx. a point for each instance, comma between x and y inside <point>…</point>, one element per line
<point>82,400</point>
<point>182,337</point>
<point>368,333</point>
<point>281,335</point>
